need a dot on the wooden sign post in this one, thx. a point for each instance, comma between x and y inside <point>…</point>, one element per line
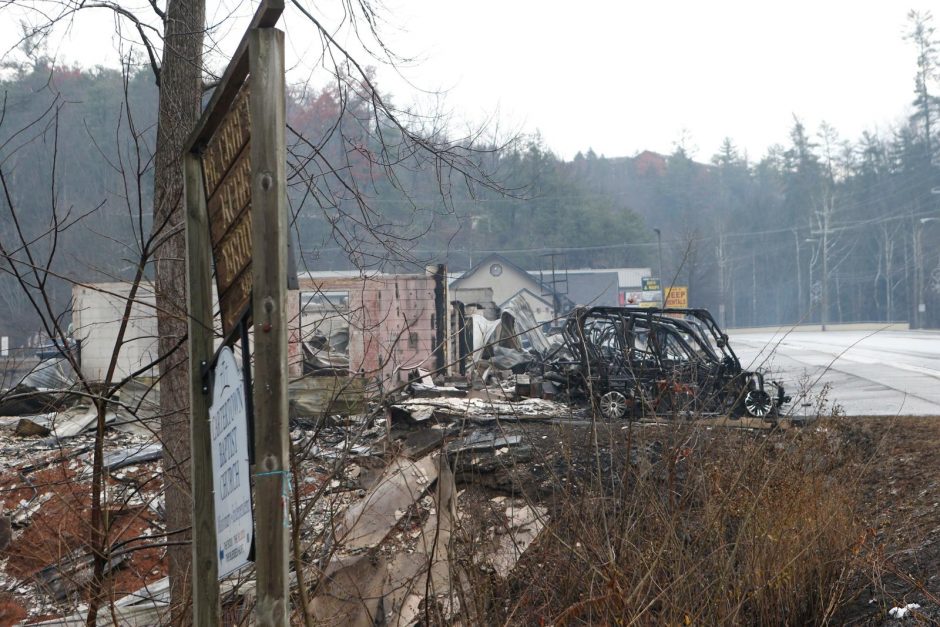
<point>236,215</point>
<point>269,272</point>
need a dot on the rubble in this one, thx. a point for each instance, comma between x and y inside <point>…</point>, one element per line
<point>34,426</point>
<point>367,522</point>
<point>50,375</point>
<point>131,455</point>
<point>523,525</point>
<point>26,400</point>
<point>479,440</point>
<point>69,423</point>
<point>26,509</point>
<point>482,452</point>
<point>71,574</point>
<point>44,388</point>
<point>315,397</point>
<point>377,484</point>
<point>480,410</point>
<point>404,503</point>
<point>392,552</point>
<point>45,486</point>
<point>327,355</point>
<point>419,442</point>
<point>6,532</point>
<point>397,547</point>
<point>368,588</point>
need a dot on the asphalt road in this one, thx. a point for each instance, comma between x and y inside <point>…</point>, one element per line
<point>864,373</point>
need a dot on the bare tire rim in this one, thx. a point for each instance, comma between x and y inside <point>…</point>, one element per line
<point>613,405</point>
<point>757,403</point>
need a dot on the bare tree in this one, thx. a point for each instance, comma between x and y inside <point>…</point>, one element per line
<point>33,260</point>
<point>375,139</point>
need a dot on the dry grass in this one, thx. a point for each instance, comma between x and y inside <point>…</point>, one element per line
<point>703,527</point>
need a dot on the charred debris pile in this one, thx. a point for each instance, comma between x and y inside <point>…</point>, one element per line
<point>401,504</point>
<point>626,362</point>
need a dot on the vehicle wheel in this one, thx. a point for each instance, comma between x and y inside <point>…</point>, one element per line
<point>613,405</point>
<point>758,403</point>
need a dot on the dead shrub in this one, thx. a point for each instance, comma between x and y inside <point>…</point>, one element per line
<point>704,526</point>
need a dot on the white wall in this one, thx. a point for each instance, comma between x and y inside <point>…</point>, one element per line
<point>504,286</point>
<point>96,319</point>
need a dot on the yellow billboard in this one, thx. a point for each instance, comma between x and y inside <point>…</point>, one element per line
<point>677,297</point>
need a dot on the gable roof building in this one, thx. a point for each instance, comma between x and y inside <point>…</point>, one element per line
<point>580,287</point>
<point>506,279</point>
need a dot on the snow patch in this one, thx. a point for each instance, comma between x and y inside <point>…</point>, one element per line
<point>901,612</point>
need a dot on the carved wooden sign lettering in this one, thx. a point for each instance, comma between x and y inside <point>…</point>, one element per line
<point>226,169</point>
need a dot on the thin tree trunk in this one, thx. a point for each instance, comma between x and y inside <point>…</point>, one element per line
<point>180,99</point>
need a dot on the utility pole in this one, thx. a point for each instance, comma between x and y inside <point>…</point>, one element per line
<point>754,288</point>
<point>659,244</point>
<point>824,297</point>
<point>889,272</point>
<point>722,288</point>
<point>918,281</point>
<point>799,276</point>
<point>921,310</point>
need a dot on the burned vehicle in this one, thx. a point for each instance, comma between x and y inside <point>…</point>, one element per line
<point>637,361</point>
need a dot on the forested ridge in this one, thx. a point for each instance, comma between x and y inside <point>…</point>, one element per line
<point>819,221</point>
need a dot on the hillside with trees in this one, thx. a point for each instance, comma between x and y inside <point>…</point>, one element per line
<point>818,223</point>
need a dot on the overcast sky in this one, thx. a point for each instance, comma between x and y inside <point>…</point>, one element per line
<point>624,76</point>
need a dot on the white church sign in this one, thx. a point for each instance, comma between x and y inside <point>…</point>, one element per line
<point>232,486</point>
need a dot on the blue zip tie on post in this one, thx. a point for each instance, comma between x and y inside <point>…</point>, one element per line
<point>285,490</point>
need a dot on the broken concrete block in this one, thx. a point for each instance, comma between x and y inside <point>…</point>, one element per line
<point>366,523</point>
<point>523,385</point>
<point>549,390</point>
<point>523,525</point>
<point>352,594</point>
<point>404,588</point>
